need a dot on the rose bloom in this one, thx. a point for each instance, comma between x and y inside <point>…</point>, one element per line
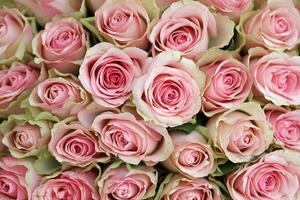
<point>132,140</point>
<point>179,187</point>
<point>275,26</point>
<point>123,182</point>
<point>286,126</point>
<point>75,145</point>
<point>228,83</point>
<point>17,178</point>
<point>45,10</point>
<point>170,92</point>
<point>124,23</point>
<point>15,35</point>
<point>62,96</point>
<point>276,76</point>
<point>71,184</point>
<point>275,176</point>
<point>241,133</point>
<point>109,73</point>
<point>192,156</point>
<point>189,27</point>
<point>61,45</point>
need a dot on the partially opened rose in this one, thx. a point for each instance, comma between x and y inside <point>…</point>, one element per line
<point>132,140</point>
<point>189,27</point>
<point>275,176</point>
<point>75,145</point>
<point>192,155</point>
<point>170,92</point>
<point>241,133</point>
<point>71,184</point>
<point>18,178</point>
<point>177,187</point>
<point>15,35</point>
<point>120,181</point>
<point>123,22</point>
<point>109,73</point>
<point>61,45</point>
<point>276,26</point>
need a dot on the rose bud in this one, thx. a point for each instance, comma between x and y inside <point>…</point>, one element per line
<point>241,133</point>
<point>71,184</point>
<point>109,73</point>
<point>192,156</point>
<point>123,23</point>
<point>189,27</point>
<point>132,140</point>
<point>61,45</point>
<point>120,181</point>
<point>274,176</point>
<point>18,178</point>
<point>170,92</point>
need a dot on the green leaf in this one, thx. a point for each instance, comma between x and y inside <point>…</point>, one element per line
<point>89,24</point>
<point>188,127</point>
<point>46,164</point>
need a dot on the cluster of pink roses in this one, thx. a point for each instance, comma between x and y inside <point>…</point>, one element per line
<point>150,99</point>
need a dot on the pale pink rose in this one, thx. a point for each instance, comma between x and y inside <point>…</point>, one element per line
<point>189,27</point>
<point>192,155</point>
<point>179,187</point>
<point>170,92</point>
<point>132,140</point>
<point>286,126</point>
<point>18,179</point>
<point>164,3</point>
<point>241,133</point>
<point>121,182</point>
<point>228,84</point>
<point>75,145</point>
<point>15,34</point>
<point>275,176</point>
<point>45,10</point>
<point>275,26</point>
<point>93,5</point>
<point>62,96</point>
<point>72,184</point>
<point>109,73</point>
<point>61,45</point>
<point>123,22</point>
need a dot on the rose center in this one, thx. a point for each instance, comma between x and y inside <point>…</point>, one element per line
<point>57,93</point>
<point>285,80</point>
<point>127,190</point>
<point>8,187</point>
<point>281,25</point>
<point>23,140</point>
<point>3,27</point>
<point>118,19</point>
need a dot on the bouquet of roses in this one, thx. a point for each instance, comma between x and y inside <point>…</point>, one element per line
<point>149,99</point>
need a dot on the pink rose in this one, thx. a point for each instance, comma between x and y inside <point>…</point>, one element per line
<point>15,35</point>
<point>192,155</point>
<point>17,178</point>
<point>189,27</point>
<point>123,22</point>
<point>109,73</point>
<point>241,133</point>
<point>170,92</point>
<point>179,187</point>
<point>123,182</point>
<point>275,176</point>
<point>286,126</point>
<point>75,145</point>
<point>45,10</point>
<point>93,5</point>
<point>228,83</point>
<point>62,96</point>
<point>132,140</point>
<point>71,184</point>
<point>61,45</point>
<point>275,26</point>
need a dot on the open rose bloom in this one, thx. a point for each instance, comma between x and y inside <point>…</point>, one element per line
<point>149,100</point>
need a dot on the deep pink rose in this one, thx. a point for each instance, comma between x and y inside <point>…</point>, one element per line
<point>123,22</point>
<point>109,73</point>
<point>275,176</point>
<point>72,184</point>
<point>75,145</point>
<point>170,92</point>
<point>61,45</point>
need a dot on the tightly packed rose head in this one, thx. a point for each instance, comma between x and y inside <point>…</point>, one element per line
<point>149,100</point>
